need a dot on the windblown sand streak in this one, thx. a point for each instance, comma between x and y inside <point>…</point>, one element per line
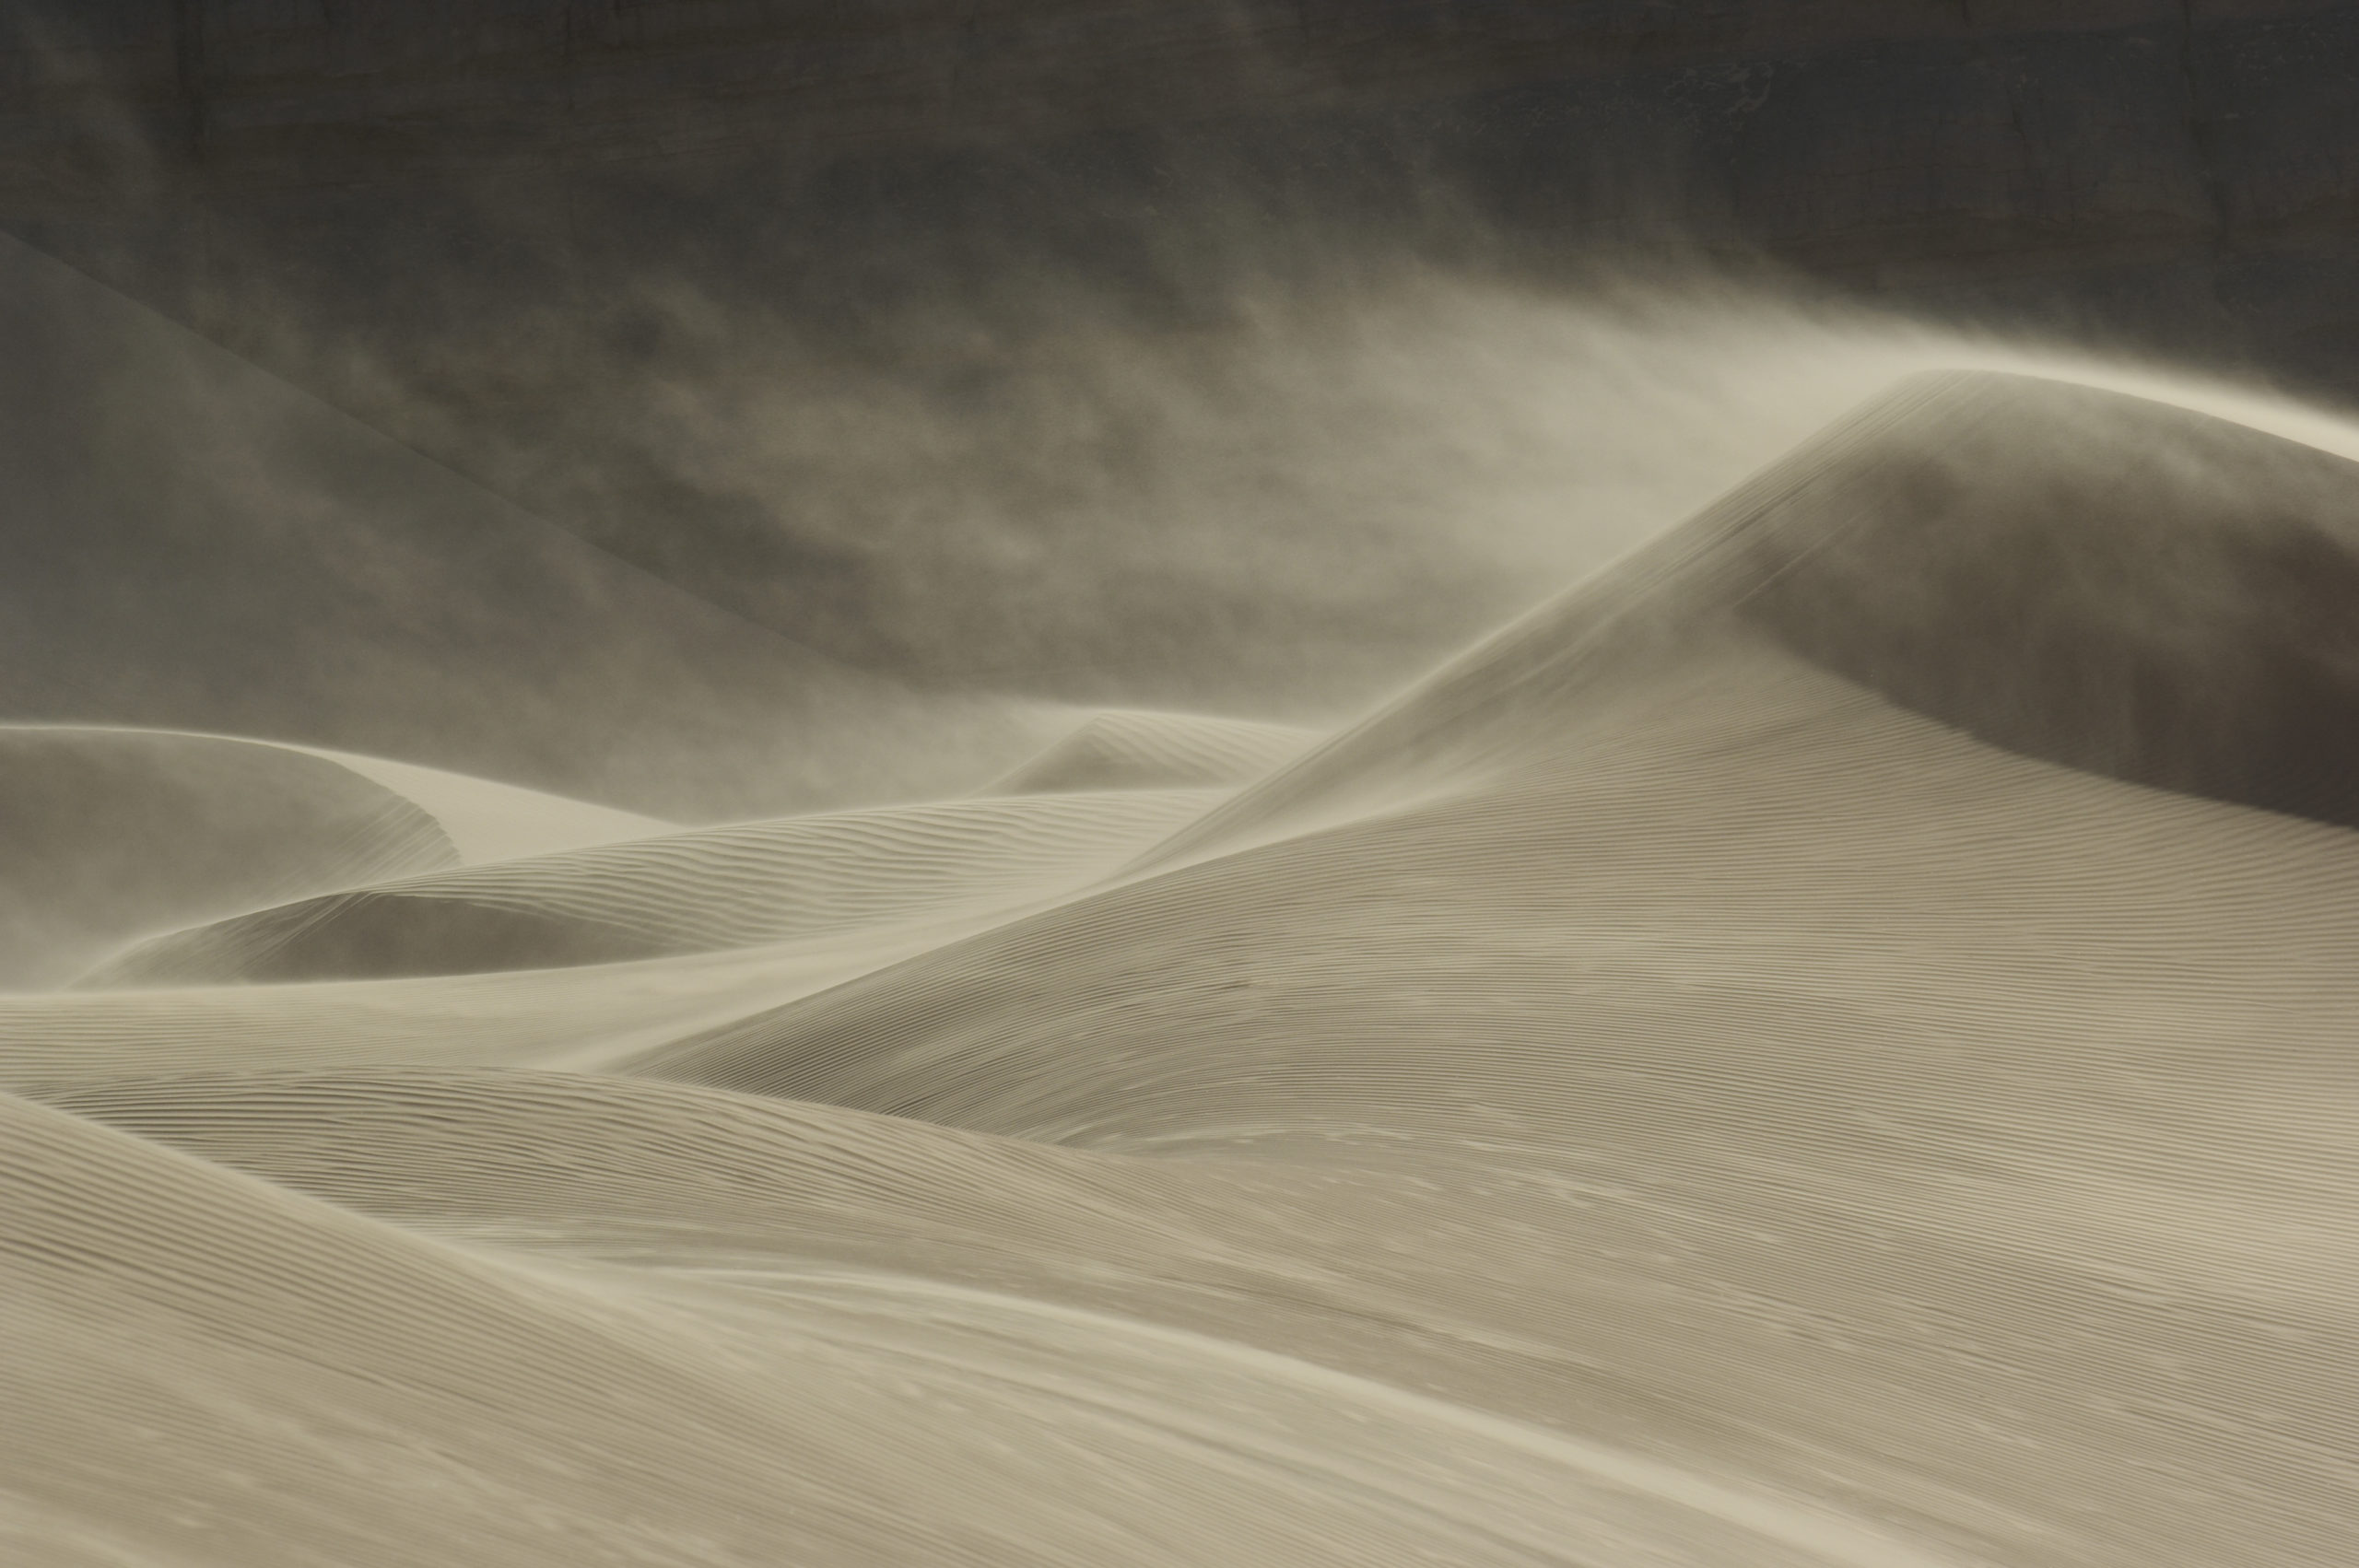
<point>1697,1081</point>
<point>689,891</point>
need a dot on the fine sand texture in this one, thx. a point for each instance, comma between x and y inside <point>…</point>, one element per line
<point>111,834</point>
<point>188,542</point>
<point>718,888</point>
<point>1134,749</point>
<point>1830,1044</point>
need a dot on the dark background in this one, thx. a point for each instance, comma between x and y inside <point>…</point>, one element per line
<point>472,223</point>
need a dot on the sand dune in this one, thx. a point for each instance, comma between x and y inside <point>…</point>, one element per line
<point>2095,578</point>
<point>486,820</point>
<point>192,543</point>
<point>1135,750</point>
<point>682,893</point>
<point>567,1017</point>
<point>463,1403</point>
<point>1903,1044</point>
<point>1830,1044</point>
<point>114,834</point>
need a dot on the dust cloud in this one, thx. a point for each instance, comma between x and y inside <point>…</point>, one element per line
<point>1389,913</point>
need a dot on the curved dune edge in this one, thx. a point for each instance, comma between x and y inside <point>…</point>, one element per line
<point>1666,1091</point>
<point>1788,951</point>
<point>487,821</point>
<point>1138,749</point>
<point>2121,585</point>
<point>483,818</point>
<point>832,875</point>
<point>159,828</point>
<point>112,834</point>
<point>571,1018</point>
<point>689,1416</point>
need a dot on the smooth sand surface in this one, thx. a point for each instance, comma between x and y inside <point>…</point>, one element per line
<point>486,820</point>
<point>1671,1088</point>
<point>1134,749</point>
<point>112,834</point>
<point>736,887</point>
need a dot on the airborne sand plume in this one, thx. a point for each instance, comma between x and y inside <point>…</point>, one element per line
<point>1829,1043</point>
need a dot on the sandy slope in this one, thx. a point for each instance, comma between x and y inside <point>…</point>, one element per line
<point>1132,749</point>
<point>1937,1071</point>
<point>114,834</point>
<point>380,1385</point>
<point>487,820</point>
<point>564,1017</point>
<point>1669,1089</point>
<point>118,833</point>
<point>718,888</point>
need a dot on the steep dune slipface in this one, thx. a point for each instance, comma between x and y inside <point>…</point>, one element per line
<point>2107,583</point>
<point>1673,1088</point>
<point>112,834</point>
<point>1637,897</point>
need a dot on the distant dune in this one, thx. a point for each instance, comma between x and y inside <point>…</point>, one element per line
<point>1830,1044</point>
<point>112,834</point>
<point>486,820</point>
<point>1140,750</point>
<point>718,888</point>
<point>192,543</point>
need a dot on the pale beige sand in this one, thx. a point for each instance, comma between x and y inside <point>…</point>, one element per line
<point>115,833</point>
<point>108,834</point>
<point>1134,749</point>
<point>1639,1099</point>
<point>566,1017</point>
<point>833,874</point>
<point>1916,1121</point>
<point>486,820</point>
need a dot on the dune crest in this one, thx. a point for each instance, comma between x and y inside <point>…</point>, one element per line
<point>699,890</point>
<point>2081,575</point>
<point>1830,1044</point>
<point>487,820</point>
<point>112,834</point>
<point>1134,749</point>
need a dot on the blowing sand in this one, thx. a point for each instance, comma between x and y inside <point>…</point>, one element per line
<point>1751,1065</point>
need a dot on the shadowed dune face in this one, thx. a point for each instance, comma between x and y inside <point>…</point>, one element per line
<point>1949,1032</point>
<point>112,834</point>
<point>372,935</point>
<point>2145,591</point>
<point>2112,585</point>
<point>827,875</point>
<point>1829,1044</point>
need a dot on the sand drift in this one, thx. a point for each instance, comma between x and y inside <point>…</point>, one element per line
<point>1830,1044</point>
